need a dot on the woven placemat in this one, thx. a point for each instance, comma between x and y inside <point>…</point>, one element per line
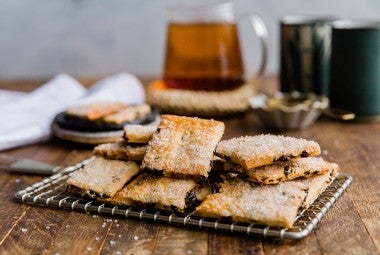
<point>199,103</point>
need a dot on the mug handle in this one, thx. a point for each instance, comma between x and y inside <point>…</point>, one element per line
<point>261,31</point>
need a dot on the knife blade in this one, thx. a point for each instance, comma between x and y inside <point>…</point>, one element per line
<point>26,166</point>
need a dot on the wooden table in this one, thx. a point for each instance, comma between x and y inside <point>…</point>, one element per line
<point>351,226</point>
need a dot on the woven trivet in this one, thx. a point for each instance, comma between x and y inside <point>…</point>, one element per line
<point>199,103</point>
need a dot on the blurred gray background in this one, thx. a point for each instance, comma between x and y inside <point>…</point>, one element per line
<point>87,38</point>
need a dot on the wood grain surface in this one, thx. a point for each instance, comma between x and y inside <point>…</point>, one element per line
<point>351,226</point>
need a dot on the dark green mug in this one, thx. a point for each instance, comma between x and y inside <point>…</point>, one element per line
<point>305,53</point>
<point>355,67</point>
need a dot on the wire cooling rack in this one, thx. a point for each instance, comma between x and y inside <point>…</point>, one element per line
<point>51,192</point>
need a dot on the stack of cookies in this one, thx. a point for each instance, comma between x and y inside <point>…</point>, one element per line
<point>114,164</point>
<point>273,179</point>
<point>182,166</point>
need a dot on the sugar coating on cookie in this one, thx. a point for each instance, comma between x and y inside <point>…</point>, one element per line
<point>102,177</point>
<point>162,192</point>
<point>273,205</point>
<point>183,146</point>
<point>138,133</point>
<point>260,150</point>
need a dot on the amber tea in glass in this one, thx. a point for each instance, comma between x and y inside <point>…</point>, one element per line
<point>203,56</point>
<point>203,48</point>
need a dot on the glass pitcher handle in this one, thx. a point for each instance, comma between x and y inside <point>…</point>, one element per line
<point>261,31</point>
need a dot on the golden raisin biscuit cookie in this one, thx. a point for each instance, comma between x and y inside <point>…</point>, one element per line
<point>159,192</point>
<point>128,114</point>
<point>317,184</point>
<point>260,150</point>
<point>294,168</point>
<point>183,146</point>
<point>241,200</point>
<point>273,205</point>
<point>283,171</point>
<point>121,150</point>
<point>139,133</point>
<point>102,177</point>
<point>96,110</point>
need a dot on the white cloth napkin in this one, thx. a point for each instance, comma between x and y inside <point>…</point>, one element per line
<point>26,117</point>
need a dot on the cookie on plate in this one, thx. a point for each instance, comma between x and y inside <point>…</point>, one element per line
<point>102,177</point>
<point>128,114</point>
<point>183,146</point>
<point>120,150</point>
<point>260,150</point>
<point>94,111</point>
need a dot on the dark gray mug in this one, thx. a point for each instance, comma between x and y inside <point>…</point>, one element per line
<point>305,53</point>
<point>355,67</point>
